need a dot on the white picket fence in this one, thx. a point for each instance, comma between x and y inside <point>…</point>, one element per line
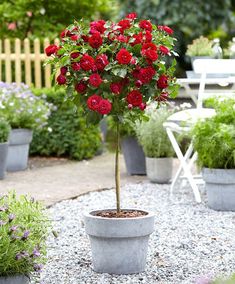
<point>22,61</point>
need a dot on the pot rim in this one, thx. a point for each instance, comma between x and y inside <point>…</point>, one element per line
<point>148,215</point>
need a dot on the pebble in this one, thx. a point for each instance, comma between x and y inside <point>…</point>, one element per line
<point>190,240</point>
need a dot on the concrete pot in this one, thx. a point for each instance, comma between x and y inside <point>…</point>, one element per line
<point>220,188</point>
<point>133,156</point>
<point>159,170</point>
<point>3,159</point>
<point>19,279</point>
<point>18,152</point>
<point>193,58</point>
<point>119,245</point>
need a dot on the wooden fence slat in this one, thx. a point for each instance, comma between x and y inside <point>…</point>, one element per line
<point>27,62</point>
<point>0,60</point>
<point>47,68</point>
<point>17,57</point>
<point>7,50</point>
<point>17,61</point>
<point>37,64</point>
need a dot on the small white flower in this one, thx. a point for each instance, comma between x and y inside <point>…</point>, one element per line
<point>49,129</point>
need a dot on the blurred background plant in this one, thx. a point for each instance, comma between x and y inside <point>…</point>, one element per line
<point>4,130</point>
<point>201,46</point>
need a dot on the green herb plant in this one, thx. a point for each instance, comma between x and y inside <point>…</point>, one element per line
<point>214,138</point>
<point>201,46</point>
<point>4,130</point>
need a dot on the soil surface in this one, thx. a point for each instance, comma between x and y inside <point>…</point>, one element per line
<point>122,214</point>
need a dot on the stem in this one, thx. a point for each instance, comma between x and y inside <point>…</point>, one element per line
<point>117,170</point>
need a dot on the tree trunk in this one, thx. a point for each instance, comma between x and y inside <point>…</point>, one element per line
<point>117,169</point>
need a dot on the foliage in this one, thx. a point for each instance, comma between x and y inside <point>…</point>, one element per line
<point>190,19</point>
<point>67,133</point>
<point>115,68</point>
<point>214,138</point>
<point>21,108</point>
<point>27,18</point>
<point>127,128</point>
<point>4,130</point>
<point>152,135</point>
<point>230,280</point>
<point>24,227</point>
<point>201,46</point>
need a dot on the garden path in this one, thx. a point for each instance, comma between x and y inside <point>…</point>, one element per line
<point>56,181</point>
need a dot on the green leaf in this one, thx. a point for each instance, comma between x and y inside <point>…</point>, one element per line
<point>93,117</point>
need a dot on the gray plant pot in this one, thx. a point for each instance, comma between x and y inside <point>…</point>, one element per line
<point>119,245</point>
<point>3,159</point>
<point>19,279</point>
<point>133,156</point>
<point>159,170</point>
<point>18,152</point>
<point>220,188</point>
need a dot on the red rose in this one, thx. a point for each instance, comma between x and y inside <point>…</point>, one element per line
<point>76,66</point>
<point>166,29</point>
<point>163,49</point>
<point>97,26</point>
<point>101,61</point>
<point>51,49</point>
<point>134,98</point>
<point>65,33</point>
<point>147,37</point>
<point>137,39</point>
<point>122,38</point>
<point>104,107</point>
<point>74,55</point>
<point>85,38</point>
<point>163,97</point>
<point>162,82</point>
<point>87,62</point>
<point>151,55</point>
<point>146,25</point>
<point>93,102</point>
<point>138,83</point>
<point>74,37</point>
<point>131,16</point>
<point>95,80</point>
<point>142,106</point>
<point>116,88</point>
<point>123,56</point>
<point>63,70</point>
<point>124,24</point>
<point>95,40</point>
<point>61,79</point>
<point>148,46</point>
<point>146,74</point>
<point>80,87</point>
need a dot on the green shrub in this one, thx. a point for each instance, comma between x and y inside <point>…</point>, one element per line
<point>214,138</point>
<point>67,133</point>
<point>4,130</point>
<point>152,135</point>
<point>201,46</point>
<point>24,227</point>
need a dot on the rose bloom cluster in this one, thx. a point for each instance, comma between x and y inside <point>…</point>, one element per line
<point>115,67</point>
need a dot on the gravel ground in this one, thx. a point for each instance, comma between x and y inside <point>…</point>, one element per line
<point>190,240</point>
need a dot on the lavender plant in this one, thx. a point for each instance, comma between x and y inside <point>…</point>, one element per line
<point>24,227</point>
<point>21,108</point>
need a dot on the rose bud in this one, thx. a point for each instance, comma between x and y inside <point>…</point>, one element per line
<point>61,79</point>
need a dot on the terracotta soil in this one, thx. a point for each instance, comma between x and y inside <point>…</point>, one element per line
<point>122,214</point>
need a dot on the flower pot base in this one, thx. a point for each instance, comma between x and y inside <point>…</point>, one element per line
<point>119,245</point>
<point>14,280</point>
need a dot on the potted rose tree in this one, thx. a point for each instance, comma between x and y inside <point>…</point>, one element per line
<point>116,68</point>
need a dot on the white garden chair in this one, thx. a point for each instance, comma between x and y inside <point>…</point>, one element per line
<point>182,121</point>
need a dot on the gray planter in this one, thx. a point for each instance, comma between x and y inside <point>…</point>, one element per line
<point>133,156</point>
<point>18,152</point>
<point>19,279</point>
<point>3,159</point>
<point>119,245</point>
<point>220,188</point>
<point>159,170</point>
<point>193,58</point>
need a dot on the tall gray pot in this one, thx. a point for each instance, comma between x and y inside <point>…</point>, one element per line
<point>119,245</point>
<point>3,159</point>
<point>159,170</point>
<point>220,188</point>
<point>19,279</point>
<point>133,156</point>
<point>18,152</point>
